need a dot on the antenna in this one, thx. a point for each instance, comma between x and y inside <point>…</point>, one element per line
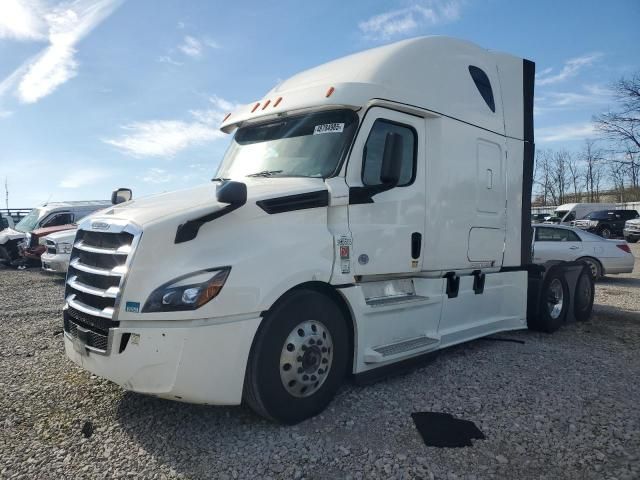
<point>6,192</point>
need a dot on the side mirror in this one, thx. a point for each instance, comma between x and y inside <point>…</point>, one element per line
<point>233,193</point>
<point>121,195</point>
<point>391,160</point>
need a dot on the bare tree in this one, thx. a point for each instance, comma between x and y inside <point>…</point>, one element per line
<point>623,126</point>
<point>560,175</point>
<point>617,174</point>
<point>544,177</point>
<point>576,177</point>
<point>592,158</point>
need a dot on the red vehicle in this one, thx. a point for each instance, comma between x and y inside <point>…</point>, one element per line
<point>33,245</point>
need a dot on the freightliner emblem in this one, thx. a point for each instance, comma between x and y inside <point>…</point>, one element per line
<point>100,226</point>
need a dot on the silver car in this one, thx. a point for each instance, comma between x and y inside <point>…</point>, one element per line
<point>559,243</point>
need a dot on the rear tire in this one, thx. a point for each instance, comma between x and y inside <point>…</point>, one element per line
<point>553,302</point>
<point>298,359</point>
<point>595,267</point>
<point>584,295</point>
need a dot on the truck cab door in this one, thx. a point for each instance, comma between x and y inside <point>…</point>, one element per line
<point>387,225</point>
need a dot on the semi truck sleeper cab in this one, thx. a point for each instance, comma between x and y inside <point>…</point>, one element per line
<point>368,211</point>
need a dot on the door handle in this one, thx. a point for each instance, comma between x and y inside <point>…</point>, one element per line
<point>574,248</point>
<point>416,245</point>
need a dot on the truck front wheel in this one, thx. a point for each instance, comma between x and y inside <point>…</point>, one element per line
<point>299,358</point>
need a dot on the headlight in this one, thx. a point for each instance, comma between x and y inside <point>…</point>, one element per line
<point>63,247</point>
<point>42,241</point>
<point>593,223</point>
<point>187,292</point>
<point>27,239</point>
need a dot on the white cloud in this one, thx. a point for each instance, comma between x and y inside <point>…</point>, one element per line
<point>159,138</point>
<point>404,20</point>
<point>5,114</point>
<point>165,138</point>
<point>157,175</point>
<point>84,176</point>
<point>571,68</point>
<point>22,20</point>
<point>589,96</point>
<point>191,46</point>
<point>168,59</point>
<point>67,23</point>
<point>566,132</point>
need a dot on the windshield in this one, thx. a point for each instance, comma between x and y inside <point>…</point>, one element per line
<point>310,145</point>
<point>596,215</point>
<point>561,213</point>
<point>29,222</point>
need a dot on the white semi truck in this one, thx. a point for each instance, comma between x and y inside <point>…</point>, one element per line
<point>368,211</point>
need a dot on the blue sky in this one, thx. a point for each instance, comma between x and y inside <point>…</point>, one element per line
<point>98,94</point>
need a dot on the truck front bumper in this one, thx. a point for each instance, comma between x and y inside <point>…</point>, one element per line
<point>186,361</point>
<point>58,263</point>
<point>632,234</point>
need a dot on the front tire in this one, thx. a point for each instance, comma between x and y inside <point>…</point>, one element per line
<point>299,358</point>
<point>631,240</point>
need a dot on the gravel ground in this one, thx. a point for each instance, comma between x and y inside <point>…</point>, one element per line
<point>557,406</point>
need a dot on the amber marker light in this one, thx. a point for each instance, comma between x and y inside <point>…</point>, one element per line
<point>277,102</point>
<point>255,107</point>
<point>266,104</point>
<point>330,92</point>
<point>226,116</point>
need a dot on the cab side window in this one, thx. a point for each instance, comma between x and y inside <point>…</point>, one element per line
<point>556,235</point>
<point>570,217</point>
<point>58,219</point>
<point>374,150</point>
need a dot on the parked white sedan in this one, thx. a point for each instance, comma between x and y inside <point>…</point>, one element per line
<point>560,243</point>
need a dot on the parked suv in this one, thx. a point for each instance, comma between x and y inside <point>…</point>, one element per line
<point>632,230</point>
<point>606,223</point>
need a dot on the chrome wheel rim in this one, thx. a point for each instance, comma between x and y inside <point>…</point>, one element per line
<point>593,267</point>
<point>306,358</point>
<point>606,233</point>
<point>555,298</point>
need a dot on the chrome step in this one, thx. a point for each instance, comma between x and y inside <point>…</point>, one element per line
<point>399,349</point>
<point>394,300</point>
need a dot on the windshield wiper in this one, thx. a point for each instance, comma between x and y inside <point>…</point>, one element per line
<point>219,179</point>
<point>264,173</point>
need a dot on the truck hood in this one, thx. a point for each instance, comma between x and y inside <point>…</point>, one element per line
<point>43,232</point>
<point>635,221</point>
<point>63,236</point>
<point>202,199</point>
<point>10,234</point>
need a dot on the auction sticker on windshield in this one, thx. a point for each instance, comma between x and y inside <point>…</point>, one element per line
<point>328,128</point>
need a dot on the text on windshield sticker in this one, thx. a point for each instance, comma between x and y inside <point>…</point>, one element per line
<point>328,128</point>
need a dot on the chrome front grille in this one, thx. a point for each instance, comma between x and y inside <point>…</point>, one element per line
<point>97,269</point>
